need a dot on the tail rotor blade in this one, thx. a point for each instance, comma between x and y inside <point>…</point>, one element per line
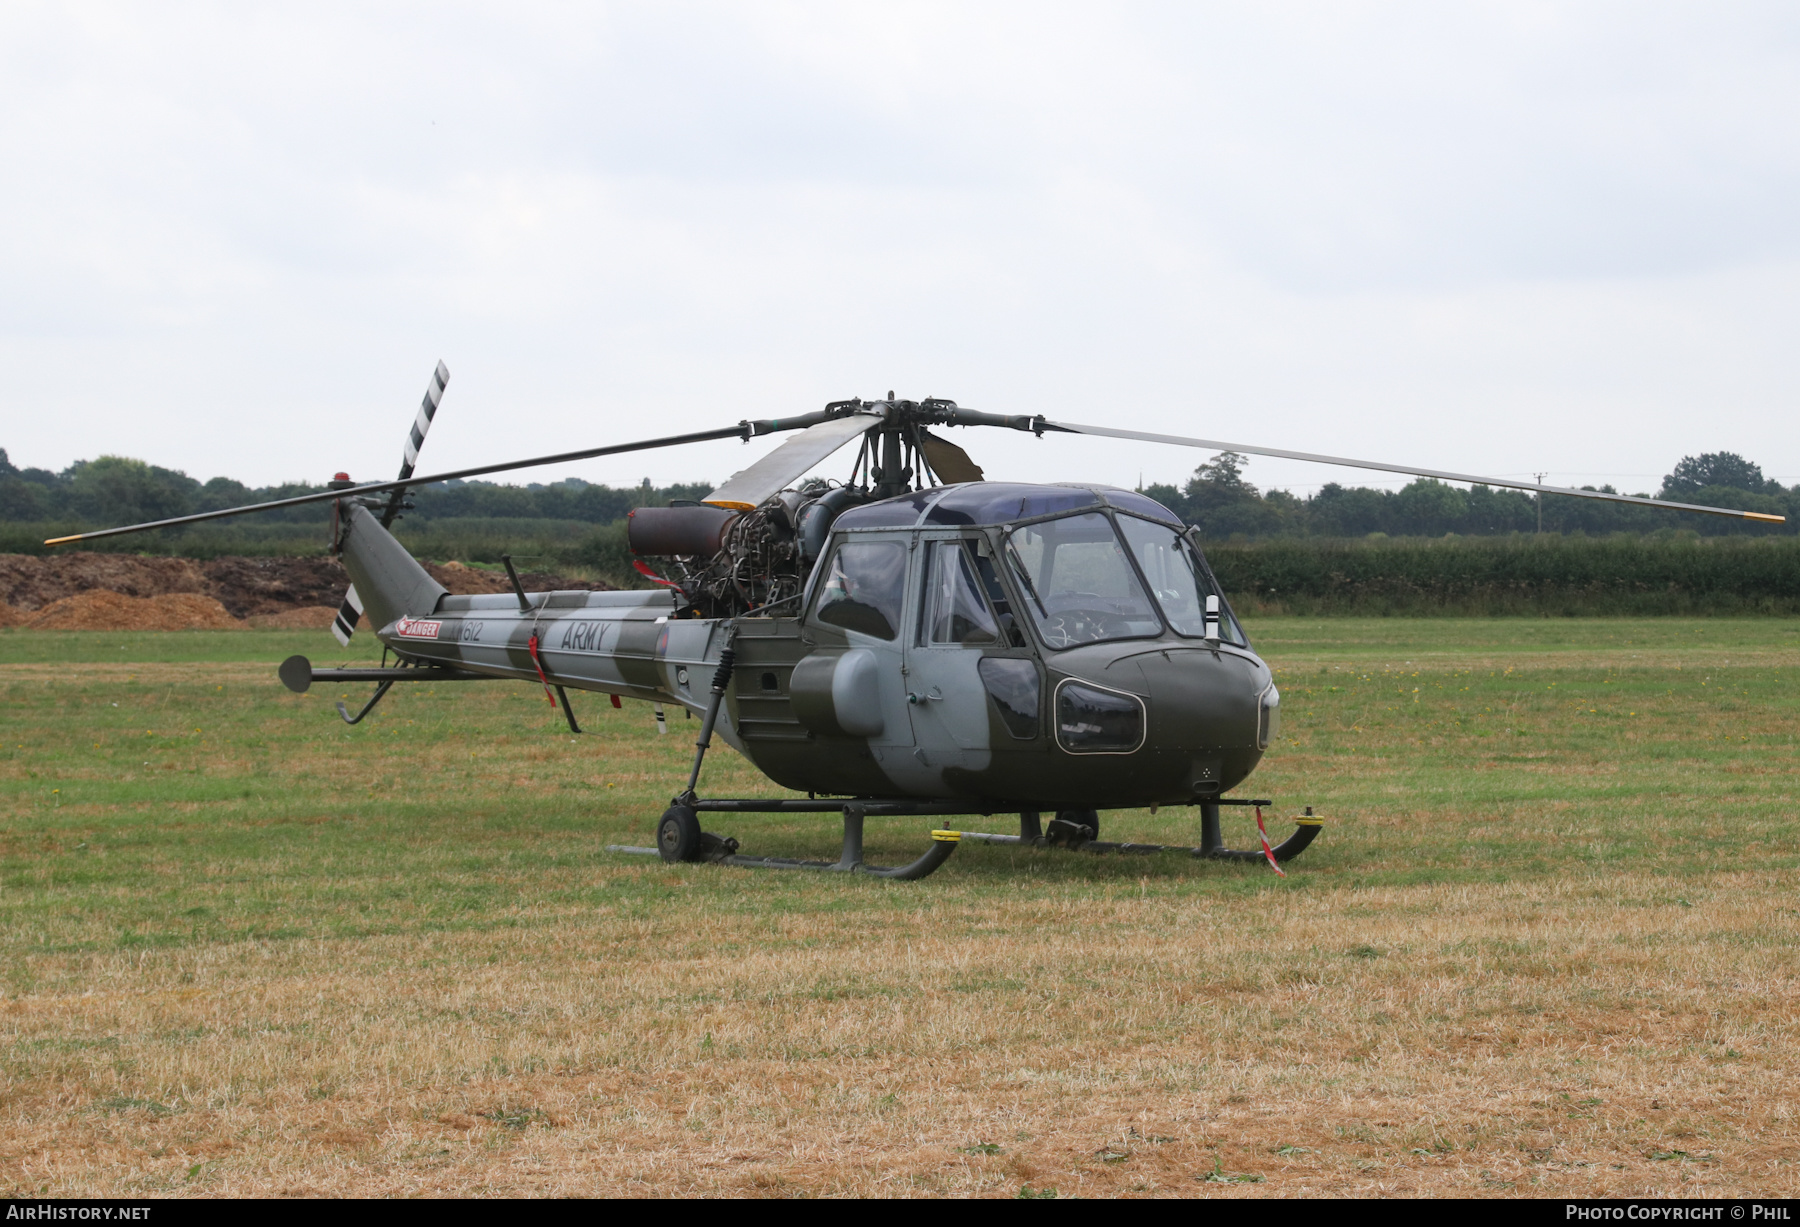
<point>434,395</point>
<point>344,625</point>
<point>415,439</point>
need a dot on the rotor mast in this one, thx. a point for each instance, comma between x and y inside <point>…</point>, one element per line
<point>893,476</point>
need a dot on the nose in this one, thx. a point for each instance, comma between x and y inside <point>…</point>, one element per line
<point>1206,711</point>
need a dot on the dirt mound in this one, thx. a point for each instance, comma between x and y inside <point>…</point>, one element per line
<point>32,583</point>
<point>10,616</point>
<point>464,580</point>
<point>306,618</point>
<point>246,587</point>
<point>112,611</point>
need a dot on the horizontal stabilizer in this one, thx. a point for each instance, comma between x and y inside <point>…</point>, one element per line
<point>747,488</point>
<point>298,675</point>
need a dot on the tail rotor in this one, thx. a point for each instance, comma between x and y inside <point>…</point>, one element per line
<point>344,625</point>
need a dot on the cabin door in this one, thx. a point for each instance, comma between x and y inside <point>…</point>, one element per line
<point>946,700</point>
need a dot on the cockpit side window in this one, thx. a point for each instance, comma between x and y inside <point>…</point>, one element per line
<point>1078,582</point>
<point>864,588</point>
<point>954,610</point>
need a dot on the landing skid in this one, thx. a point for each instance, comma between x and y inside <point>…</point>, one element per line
<point>1304,833</point>
<point>679,837</point>
<point>1063,833</point>
<point>680,821</point>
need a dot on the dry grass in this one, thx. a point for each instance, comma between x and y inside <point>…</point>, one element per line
<point>289,957</point>
<point>1545,1039</point>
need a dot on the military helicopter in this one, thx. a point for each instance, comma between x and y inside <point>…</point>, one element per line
<point>913,641</point>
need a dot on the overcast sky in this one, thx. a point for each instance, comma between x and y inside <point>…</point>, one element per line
<point>1497,238</point>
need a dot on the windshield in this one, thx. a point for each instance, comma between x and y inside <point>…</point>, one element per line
<point>1079,586</point>
<point>1180,582</point>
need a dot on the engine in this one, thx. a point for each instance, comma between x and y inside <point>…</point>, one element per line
<point>723,563</point>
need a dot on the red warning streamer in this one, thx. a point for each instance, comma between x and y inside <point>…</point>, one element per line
<point>532,645</point>
<point>1267,851</point>
<point>638,566</point>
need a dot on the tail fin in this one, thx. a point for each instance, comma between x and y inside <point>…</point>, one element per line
<point>344,625</point>
<point>390,581</point>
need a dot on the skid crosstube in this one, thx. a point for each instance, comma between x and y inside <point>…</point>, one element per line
<point>944,842</point>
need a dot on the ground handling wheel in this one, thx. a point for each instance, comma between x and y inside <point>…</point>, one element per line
<point>678,836</point>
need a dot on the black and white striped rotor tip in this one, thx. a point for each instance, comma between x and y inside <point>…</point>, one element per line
<point>344,625</point>
<point>440,379</point>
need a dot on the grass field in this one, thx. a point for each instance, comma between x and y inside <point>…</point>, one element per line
<point>1545,945</point>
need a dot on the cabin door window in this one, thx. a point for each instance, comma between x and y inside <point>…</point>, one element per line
<point>954,611</point>
<point>865,588</point>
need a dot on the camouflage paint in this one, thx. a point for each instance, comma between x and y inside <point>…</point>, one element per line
<point>942,735</point>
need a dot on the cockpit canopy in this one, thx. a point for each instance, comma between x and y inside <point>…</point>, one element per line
<point>1089,564</point>
<point>996,502</point>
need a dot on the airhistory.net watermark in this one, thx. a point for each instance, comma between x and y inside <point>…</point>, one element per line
<point>53,1212</point>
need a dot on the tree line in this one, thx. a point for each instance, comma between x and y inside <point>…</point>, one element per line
<point>1218,498</point>
<point>118,490</point>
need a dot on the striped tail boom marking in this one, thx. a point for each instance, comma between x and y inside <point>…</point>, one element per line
<point>344,625</point>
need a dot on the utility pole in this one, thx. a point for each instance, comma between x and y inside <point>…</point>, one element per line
<point>1540,501</point>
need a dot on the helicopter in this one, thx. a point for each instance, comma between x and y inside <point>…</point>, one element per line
<point>916,640</point>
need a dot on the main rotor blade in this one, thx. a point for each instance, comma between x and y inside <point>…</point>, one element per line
<point>747,488</point>
<point>1214,445</point>
<point>743,430</point>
